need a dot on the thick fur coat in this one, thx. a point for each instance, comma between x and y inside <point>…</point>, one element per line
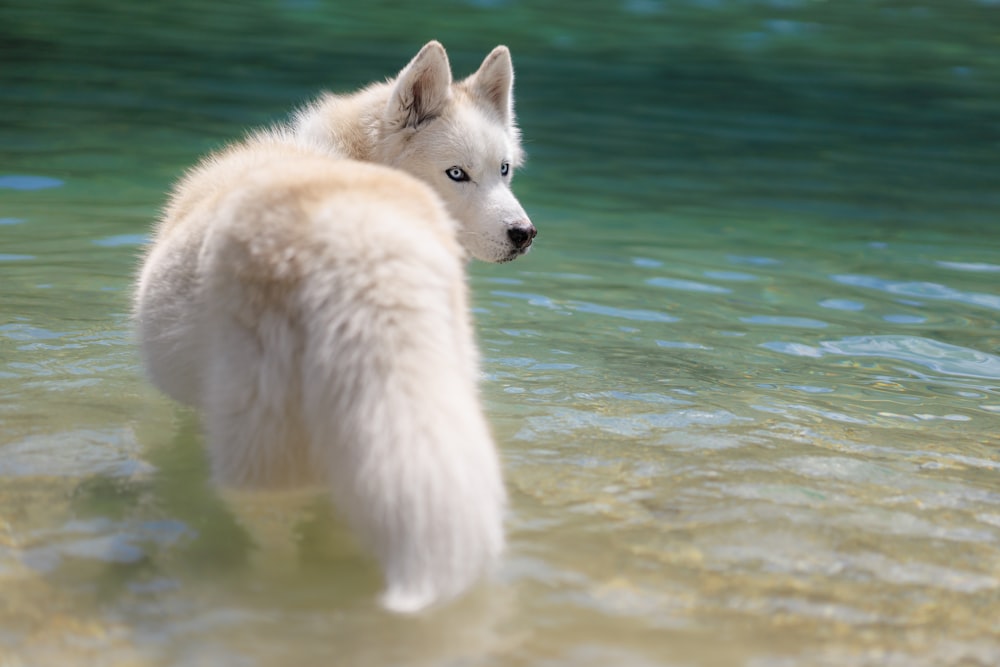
<point>305,289</point>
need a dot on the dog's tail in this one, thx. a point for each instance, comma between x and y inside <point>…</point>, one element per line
<point>389,394</point>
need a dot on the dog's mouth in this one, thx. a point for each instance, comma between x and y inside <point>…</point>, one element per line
<point>515,253</point>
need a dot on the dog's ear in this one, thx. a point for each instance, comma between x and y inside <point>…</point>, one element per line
<point>493,84</point>
<point>422,89</point>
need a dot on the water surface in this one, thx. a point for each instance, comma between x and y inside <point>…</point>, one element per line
<point>746,387</point>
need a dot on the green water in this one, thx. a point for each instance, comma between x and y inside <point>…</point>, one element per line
<point>746,386</point>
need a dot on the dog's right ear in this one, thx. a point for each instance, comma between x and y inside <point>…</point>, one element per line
<point>421,90</point>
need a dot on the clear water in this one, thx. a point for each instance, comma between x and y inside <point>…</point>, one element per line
<point>747,386</point>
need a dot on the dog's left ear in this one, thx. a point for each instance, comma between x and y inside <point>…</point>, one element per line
<point>493,84</point>
<point>422,89</point>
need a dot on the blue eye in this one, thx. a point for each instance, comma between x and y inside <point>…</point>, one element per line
<point>505,168</point>
<point>457,174</point>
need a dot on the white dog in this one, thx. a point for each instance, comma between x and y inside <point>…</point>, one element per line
<point>305,289</point>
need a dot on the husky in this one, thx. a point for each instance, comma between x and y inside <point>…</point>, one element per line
<point>305,289</point>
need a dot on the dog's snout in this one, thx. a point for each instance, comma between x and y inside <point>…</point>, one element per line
<point>521,234</point>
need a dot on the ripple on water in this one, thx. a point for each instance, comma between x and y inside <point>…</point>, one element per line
<point>102,540</point>
<point>639,397</point>
<point>498,280</point>
<point>921,290</point>
<point>735,276</point>
<point>681,345</point>
<point>687,285</point>
<point>752,260</point>
<point>635,314</point>
<point>81,453</point>
<point>974,267</point>
<point>923,574</point>
<point>122,240</point>
<point>842,304</point>
<point>899,318</point>
<point>568,420</point>
<point>532,299</point>
<point>22,331</point>
<point>865,564</point>
<point>935,355</point>
<point>782,321</point>
<point>793,408</point>
<point>27,182</point>
<point>809,389</point>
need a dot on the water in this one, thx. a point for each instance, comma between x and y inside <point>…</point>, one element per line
<point>747,386</point>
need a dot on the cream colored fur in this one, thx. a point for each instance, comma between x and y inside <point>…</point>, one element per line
<point>469,124</point>
<point>312,304</point>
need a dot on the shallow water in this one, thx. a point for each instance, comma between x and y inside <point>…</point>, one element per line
<point>747,385</point>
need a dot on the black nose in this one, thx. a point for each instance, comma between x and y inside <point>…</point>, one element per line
<point>521,235</point>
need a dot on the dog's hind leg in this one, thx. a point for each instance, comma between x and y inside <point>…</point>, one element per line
<point>251,403</point>
<point>250,393</point>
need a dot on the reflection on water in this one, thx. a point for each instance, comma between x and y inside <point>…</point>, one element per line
<point>747,384</point>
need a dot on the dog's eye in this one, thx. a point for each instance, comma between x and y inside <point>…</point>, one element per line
<point>505,168</point>
<point>457,174</point>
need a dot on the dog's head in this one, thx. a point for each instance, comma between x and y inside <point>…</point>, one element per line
<point>461,138</point>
